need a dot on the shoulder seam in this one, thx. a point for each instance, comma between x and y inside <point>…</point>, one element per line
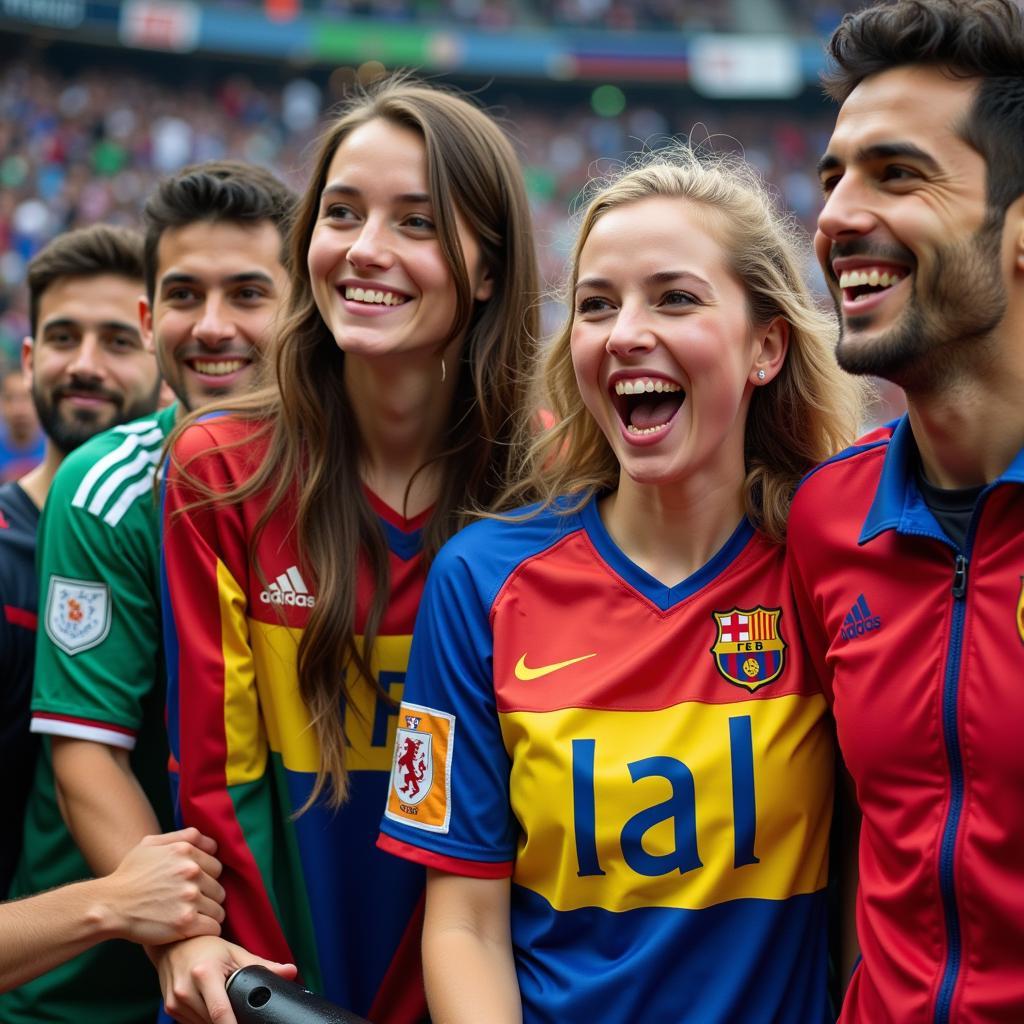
<point>116,475</point>
<point>843,456</point>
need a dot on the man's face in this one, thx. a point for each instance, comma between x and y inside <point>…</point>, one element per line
<point>219,287</point>
<point>16,407</point>
<point>89,365</point>
<point>914,266</point>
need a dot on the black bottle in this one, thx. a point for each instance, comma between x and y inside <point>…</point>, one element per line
<point>259,996</point>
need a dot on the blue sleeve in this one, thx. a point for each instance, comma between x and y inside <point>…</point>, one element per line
<point>448,800</point>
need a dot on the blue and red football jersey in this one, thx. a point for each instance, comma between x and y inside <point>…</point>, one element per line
<point>919,647</point>
<point>311,888</point>
<point>651,765</point>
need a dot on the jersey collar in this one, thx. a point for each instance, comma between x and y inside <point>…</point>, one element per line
<point>898,504</point>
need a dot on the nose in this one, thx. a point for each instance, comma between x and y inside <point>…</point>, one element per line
<point>215,325</point>
<point>847,211</point>
<point>88,359</point>
<point>631,332</point>
<point>372,247</point>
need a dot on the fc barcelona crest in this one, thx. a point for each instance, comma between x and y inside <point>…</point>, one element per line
<point>749,650</point>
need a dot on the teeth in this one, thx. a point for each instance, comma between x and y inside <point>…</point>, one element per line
<point>645,430</point>
<point>370,295</point>
<point>642,385</point>
<point>219,368</point>
<point>873,277</point>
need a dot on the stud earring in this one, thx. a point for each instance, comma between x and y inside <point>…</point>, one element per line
<point>761,375</point>
<point>444,370</point>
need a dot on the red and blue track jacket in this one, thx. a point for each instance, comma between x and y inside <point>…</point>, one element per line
<point>920,649</point>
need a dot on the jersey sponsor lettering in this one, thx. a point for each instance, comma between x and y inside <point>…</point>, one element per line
<point>420,791</point>
<point>77,613</point>
<point>643,798</point>
<point>749,649</point>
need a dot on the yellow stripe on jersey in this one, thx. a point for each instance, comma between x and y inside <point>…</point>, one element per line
<point>246,740</point>
<point>275,649</point>
<point>684,807</point>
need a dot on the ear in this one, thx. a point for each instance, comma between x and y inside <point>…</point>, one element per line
<point>27,352</point>
<point>771,353</point>
<point>484,287</point>
<point>146,322</point>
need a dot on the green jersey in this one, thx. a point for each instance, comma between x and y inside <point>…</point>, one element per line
<point>99,676</point>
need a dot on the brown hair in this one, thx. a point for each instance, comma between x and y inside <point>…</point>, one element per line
<point>218,191</point>
<point>86,252</point>
<point>981,39</point>
<point>314,442</point>
<point>806,413</point>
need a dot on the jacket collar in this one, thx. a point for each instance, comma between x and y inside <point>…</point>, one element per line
<point>898,504</point>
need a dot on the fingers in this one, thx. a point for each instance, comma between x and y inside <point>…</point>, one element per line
<point>210,981</point>
<point>243,958</point>
<point>187,835</point>
<point>212,890</point>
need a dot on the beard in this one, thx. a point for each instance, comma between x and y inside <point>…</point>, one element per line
<point>948,322</point>
<point>69,428</point>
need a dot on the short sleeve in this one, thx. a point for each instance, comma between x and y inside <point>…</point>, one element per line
<point>448,800</point>
<point>98,647</point>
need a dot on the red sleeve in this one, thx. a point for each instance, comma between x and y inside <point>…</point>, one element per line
<point>214,723</point>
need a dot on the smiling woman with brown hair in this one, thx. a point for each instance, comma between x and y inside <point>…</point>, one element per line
<point>298,528</point>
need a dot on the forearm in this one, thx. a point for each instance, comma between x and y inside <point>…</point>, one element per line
<point>102,802</point>
<point>40,932</point>
<point>468,966</point>
<point>469,979</point>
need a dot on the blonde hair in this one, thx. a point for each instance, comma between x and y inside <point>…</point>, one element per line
<point>810,410</point>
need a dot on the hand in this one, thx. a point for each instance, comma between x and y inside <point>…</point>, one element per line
<point>194,974</point>
<point>165,889</point>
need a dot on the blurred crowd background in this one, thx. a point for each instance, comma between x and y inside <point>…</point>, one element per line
<point>89,124</point>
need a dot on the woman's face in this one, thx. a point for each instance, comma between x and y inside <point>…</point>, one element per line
<point>661,342</point>
<point>378,275</point>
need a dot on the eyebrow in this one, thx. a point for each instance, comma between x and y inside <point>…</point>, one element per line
<point>880,151</point>
<point>404,197</point>
<point>660,277</point>
<point>244,277</point>
<point>107,325</point>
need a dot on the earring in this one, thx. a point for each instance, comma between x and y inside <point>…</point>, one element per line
<point>444,370</point>
<point>761,375</point>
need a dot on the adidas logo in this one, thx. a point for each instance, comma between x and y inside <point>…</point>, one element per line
<point>288,588</point>
<point>859,620</point>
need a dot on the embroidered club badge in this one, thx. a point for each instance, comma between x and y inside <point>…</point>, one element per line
<point>77,614</point>
<point>749,649</point>
<point>421,770</point>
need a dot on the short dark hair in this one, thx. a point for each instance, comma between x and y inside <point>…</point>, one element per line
<point>86,252</point>
<point>981,39</point>
<point>220,190</point>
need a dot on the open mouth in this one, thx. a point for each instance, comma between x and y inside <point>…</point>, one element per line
<point>217,367</point>
<point>864,282</point>
<point>647,405</point>
<point>374,296</point>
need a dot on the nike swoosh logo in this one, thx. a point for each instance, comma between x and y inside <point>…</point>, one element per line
<point>524,672</point>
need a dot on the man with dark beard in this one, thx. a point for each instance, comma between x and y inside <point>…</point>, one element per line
<point>215,279</point>
<point>907,550</point>
<point>89,370</point>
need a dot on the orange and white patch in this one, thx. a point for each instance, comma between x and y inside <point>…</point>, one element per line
<point>420,789</point>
